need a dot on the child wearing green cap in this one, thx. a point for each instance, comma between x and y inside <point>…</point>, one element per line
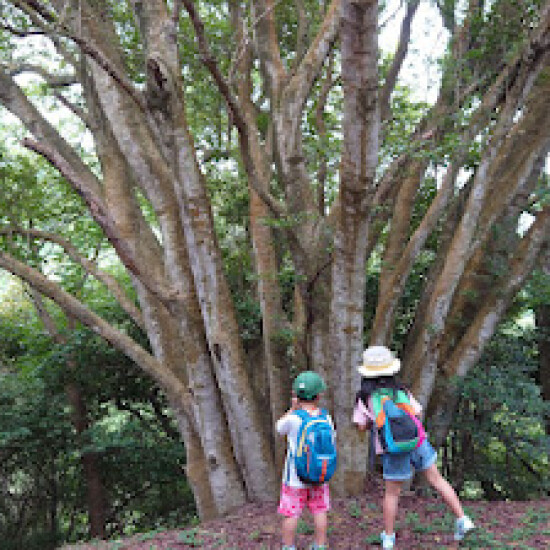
<point>295,494</point>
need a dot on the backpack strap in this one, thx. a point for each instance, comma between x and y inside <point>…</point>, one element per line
<point>372,447</point>
<point>407,408</point>
<point>304,415</point>
<point>378,399</point>
<point>287,469</point>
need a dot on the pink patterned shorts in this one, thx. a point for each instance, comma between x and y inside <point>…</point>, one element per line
<point>294,499</point>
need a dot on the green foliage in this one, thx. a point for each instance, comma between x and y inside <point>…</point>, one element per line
<point>355,510</point>
<point>304,528</point>
<point>131,430</point>
<point>406,114</point>
<point>141,458</point>
<point>502,413</point>
<point>35,196</point>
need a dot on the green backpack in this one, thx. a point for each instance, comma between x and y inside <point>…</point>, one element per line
<point>399,429</point>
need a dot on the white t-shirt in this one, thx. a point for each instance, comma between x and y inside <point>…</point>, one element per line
<point>289,425</point>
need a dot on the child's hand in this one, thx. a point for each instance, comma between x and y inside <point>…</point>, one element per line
<point>294,403</point>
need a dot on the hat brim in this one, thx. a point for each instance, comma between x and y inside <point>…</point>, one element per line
<point>386,370</point>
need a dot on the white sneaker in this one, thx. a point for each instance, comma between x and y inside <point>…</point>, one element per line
<point>388,541</point>
<point>463,526</point>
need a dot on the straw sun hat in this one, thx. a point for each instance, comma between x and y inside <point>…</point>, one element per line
<point>378,361</point>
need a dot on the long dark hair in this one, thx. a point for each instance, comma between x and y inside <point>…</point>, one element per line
<point>370,385</point>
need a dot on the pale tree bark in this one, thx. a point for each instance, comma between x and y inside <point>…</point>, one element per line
<point>514,178</point>
<point>274,320</point>
<point>87,185</point>
<point>288,94</point>
<point>145,147</point>
<point>403,248</point>
<point>395,267</point>
<point>322,131</point>
<point>229,490</point>
<point>514,172</point>
<point>469,349</point>
<point>427,349</point>
<point>452,219</point>
<point>357,179</point>
<point>165,167</point>
<point>172,340</point>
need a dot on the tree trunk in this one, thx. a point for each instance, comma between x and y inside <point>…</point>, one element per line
<point>359,159</point>
<point>95,490</point>
<point>136,113</point>
<point>274,320</point>
<point>542,319</point>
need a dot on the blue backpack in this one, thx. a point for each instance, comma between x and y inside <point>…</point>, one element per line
<point>315,457</point>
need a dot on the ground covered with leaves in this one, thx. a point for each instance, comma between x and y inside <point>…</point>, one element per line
<point>423,523</point>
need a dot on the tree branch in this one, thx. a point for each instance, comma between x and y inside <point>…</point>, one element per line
<point>119,340</point>
<point>238,118</point>
<point>86,46</point>
<point>302,31</point>
<point>512,76</point>
<point>45,316</point>
<point>321,130</point>
<point>300,84</point>
<point>468,351</point>
<point>20,33</point>
<point>108,280</point>
<point>99,211</point>
<point>47,31</point>
<point>77,111</point>
<point>267,45</point>
<point>57,151</point>
<point>399,57</point>
<point>55,81</point>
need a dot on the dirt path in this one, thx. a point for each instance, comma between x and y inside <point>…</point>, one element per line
<point>423,524</point>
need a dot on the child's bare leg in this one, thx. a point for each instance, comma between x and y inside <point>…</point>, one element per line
<point>391,500</point>
<point>289,530</point>
<point>443,487</point>
<point>320,523</point>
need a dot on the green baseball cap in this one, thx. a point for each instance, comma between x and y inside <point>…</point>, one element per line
<point>308,385</point>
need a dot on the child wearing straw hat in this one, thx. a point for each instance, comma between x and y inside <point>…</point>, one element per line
<point>378,377</point>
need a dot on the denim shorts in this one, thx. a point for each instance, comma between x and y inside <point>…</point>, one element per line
<point>398,467</point>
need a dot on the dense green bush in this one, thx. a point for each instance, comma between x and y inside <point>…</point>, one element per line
<point>498,447</point>
<point>42,484</point>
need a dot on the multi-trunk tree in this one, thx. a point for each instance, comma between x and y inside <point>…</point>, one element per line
<point>447,197</point>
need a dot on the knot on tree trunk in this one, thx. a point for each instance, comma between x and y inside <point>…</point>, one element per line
<point>212,462</point>
<point>158,87</point>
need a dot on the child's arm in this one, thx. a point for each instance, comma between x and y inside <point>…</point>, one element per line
<point>293,406</point>
<point>281,423</point>
<point>417,407</point>
<point>361,417</point>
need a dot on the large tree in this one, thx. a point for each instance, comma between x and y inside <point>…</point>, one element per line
<point>442,202</point>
